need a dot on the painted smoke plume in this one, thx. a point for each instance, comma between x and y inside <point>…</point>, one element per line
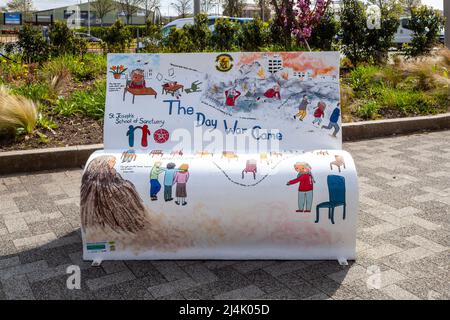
<point>108,200</point>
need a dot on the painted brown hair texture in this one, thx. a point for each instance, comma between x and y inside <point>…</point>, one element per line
<point>108,200</point>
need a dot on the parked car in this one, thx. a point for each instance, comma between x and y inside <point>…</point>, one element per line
<point>179,23</point>
<point>87,37</point>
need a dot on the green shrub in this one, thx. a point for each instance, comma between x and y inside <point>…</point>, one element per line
<point>153,37</point>
<point>63,40</point>
<point>32,45</point>
<point>368,110</point>
<point>254,35</point>
<point>179,41</point>
<point>45,123</point>
<point>117,37</point>
<point>225,35</point>
<point>10,71</point>
<point>88,67</point>
<point>425,24</point>
<point>38,92</point>
<point>363,44</point>
<point>323,35</point>
<point>408,103</point>
<point>101,31</point>
<point>90,103</point>
<point>199,32</point>
<point>362,77</point>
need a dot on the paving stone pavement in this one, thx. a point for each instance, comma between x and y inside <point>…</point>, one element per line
<point>403,240</point>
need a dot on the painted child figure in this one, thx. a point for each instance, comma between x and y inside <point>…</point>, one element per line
<point>231,97</point>
<point>273,92</point>
<point>137,79</point>
<point>306,186</point>
<point>155,186</point>
<point>169,176</point>
<point>319,113</point>
<point>301,114</point>
<point>181,178</point>
<point>334,118</point>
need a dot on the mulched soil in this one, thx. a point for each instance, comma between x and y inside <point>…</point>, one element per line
<point>72,131</point>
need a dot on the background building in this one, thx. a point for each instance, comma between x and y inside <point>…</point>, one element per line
<point>64,13</point>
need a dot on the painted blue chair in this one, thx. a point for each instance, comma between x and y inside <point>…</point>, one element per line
<point>336,190</point>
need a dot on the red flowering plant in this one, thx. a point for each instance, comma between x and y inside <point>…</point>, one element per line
<point>299,17</point>
<point>117,71</point>
<point>307,17</point>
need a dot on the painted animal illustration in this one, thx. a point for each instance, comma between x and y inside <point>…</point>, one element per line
<point>156,153</point>
<point>276,154</point>
<point>204,153</point>
<point>176,153</point>
<point>339,162</point>
<point>264,157</point>
<point>128,156</point>
<point>230,155</point>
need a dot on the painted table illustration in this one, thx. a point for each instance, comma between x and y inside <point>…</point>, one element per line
<point>172,88</point>
<point>245,162</point>
<point>139,92</point>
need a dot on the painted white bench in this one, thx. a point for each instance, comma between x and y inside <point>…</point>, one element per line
<point>238,156</point>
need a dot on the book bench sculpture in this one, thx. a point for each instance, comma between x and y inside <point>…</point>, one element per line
<point>246,164</point>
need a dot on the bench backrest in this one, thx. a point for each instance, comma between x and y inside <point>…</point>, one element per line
<point>223,102</point>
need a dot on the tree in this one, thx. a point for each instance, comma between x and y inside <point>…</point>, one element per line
<point>118,37</point>
<point>408,5</point>
<point>32,45</point>
<point>149,7</point>
<point>233,8</point>
<point>103,7</point>
<point>362,42</point>
<point>25,7</point>
<point>264,7</point>
<point>354,30</point>
<point>447,23</point>
<point>283,23</point>
<point>298,17</point>
<point>324,34</point>
<point>379,40</point>
<point>207,5</point>
<point>426,24</point>
<point>129,7</point>
<point>307,18</point>
<point>183,7</point>
<point>63,40</point>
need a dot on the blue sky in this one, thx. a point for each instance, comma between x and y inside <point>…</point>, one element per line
<point>45,4</point>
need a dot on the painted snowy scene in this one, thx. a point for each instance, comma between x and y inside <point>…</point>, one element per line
<point>270,87</point>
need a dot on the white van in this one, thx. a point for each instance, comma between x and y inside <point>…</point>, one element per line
<point>179,23</point>
<point>404,35</point>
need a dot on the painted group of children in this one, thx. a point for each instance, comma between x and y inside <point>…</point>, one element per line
<point>172,176</point>
<point>319,114</point>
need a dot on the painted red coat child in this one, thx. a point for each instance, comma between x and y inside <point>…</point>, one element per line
<point>273,93</point>
<point>231,97</point>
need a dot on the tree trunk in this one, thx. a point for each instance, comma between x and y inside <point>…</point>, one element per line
<point>447,23</point>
